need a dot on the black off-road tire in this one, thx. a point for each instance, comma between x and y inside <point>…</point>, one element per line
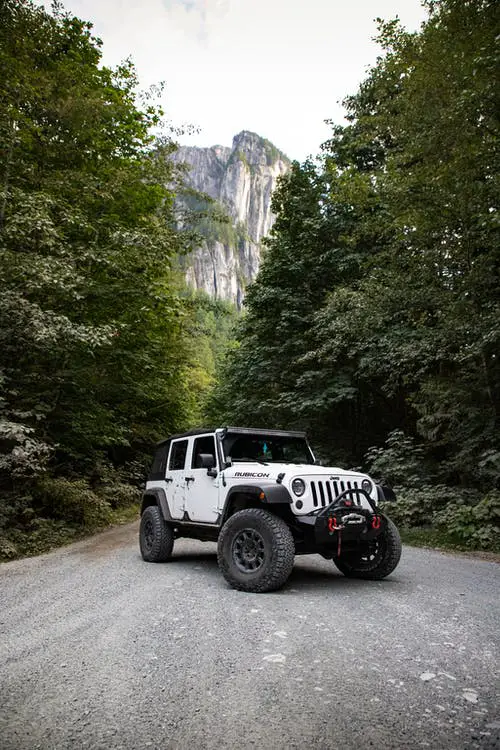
<point>156,538</point>
<point>378,561</point>
<point>255,551</point>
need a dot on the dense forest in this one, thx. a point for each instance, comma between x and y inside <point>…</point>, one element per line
<point>102,349</point>
<point>374,322</point>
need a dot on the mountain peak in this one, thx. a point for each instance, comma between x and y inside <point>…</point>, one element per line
<point>258,150</point>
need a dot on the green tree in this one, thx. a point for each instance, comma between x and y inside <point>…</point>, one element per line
<point>279,304</point>
<point>94,362</point>
<point>398,329</point>
<point>423,323</point>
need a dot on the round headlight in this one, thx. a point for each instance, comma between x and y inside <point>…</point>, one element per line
<point>298,487</point>
<point>367,486</point>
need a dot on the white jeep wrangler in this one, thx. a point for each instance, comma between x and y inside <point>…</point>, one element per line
<point>260,495</point>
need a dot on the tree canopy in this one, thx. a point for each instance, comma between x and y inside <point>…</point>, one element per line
<point>98,358</point>
<point>377,306</point>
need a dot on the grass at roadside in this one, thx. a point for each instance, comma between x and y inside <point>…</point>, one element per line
<point>436,539</point>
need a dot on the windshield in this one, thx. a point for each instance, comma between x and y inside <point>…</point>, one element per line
<point>267,449</point>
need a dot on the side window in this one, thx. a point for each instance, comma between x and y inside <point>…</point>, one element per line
<point>204,444</point>
<point>178,455</point>
<point>160,463</point>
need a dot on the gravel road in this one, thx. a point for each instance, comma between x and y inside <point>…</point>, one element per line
<point>101,650</point>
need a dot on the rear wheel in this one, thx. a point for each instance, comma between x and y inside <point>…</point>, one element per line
<point>255,551</point>
<point>156,538</point>
<point>376,560</point>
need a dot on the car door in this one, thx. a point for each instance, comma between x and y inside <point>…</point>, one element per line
<point>176,475</point>
<point>202,489</point>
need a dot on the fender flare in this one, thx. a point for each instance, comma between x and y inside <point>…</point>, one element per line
<point>159,498</point>
<point>274,494</point>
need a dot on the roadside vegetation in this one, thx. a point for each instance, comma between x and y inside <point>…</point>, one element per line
<point>102,349</point>
<point>373,323</point>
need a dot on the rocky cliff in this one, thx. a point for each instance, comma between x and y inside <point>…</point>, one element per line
<point>241,179</point>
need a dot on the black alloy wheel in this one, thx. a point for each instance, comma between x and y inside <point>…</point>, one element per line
<point>248,550</point>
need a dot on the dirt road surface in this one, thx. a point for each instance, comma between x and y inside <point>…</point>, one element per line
<point>101,650</point>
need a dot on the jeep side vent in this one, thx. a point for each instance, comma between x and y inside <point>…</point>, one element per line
<point>325,492</point>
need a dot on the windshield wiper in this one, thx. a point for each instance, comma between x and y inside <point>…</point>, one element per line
<point>250,460</point>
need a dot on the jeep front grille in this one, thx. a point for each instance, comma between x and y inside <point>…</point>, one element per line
<point>325,492</point>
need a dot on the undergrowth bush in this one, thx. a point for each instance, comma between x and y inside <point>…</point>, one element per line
<point>417,506</point>
<point>120,495</point>
<point>58,511</point>
<point>72,501</point>
<point>400,461</point>
<point>461,516</point>
<point>475,526</point>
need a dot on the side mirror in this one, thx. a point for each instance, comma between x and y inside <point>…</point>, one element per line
<point>207,461</point>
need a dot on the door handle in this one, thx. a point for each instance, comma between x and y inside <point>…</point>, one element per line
<point>169,479</point>
<point>189,479</point>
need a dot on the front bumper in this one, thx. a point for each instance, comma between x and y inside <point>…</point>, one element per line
<point>345,519</point>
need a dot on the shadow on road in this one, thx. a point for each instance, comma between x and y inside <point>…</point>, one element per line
<point>209,558</point>
<point>312,577</point>
<point>311,574</point>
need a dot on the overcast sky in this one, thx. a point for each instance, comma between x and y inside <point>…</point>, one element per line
<point>276,67</point>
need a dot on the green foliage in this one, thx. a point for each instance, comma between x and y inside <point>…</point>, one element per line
<point>420,505</point>
<point>96,357</point>
<point>375,312</point>
<point>255,386</point>
<point>209,328</point>
<point>43,535</point>
<point>399,462</point>
<point>121,495</point>
<point>90,310</point>
<point>455,517</point>
<point>374,318</point>
<point>72,501</point>
<point>475,526</point>
<point>217,226</point>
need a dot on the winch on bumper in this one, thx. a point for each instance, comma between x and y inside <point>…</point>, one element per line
<point>345,521</point>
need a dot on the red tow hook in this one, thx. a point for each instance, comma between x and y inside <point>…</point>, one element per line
<point>376,522</point>
<point>333,524</point>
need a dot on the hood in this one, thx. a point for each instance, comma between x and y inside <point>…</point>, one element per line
<point>257,470</point>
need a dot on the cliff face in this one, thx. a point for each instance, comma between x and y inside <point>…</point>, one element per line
<point>242,179</point>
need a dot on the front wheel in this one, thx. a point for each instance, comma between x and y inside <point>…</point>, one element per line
<point>255,551</point>
<point>156,538</point>
<point>376,560</point>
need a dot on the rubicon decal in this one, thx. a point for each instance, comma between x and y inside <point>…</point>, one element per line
<point>250,474</point>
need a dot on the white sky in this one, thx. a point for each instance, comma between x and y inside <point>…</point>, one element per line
<point>276,67</point>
